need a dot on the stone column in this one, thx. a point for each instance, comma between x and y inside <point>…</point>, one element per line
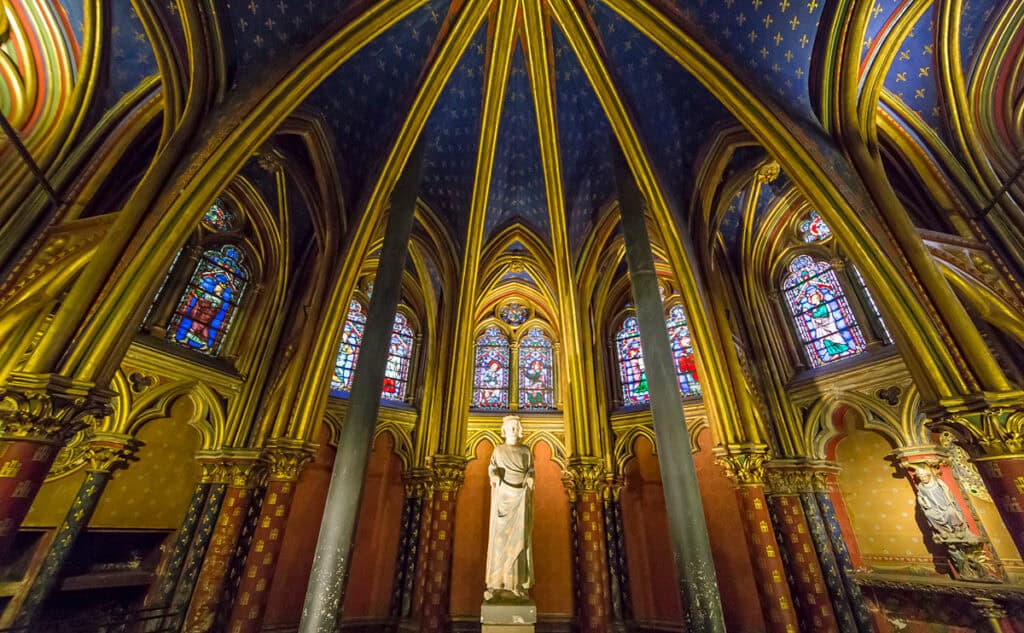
<point>615,545</point>
<point>695,566</point>
<point>104,454</point>
<point>449,473</point>
<point>417,488</point>
<point>38,415</point>
<point>243,472</point>
<point>585,482</point>
<point>813,601</point>
<point>746,469</point>
<point>286,462</point>
<point>337,529</point>
<point>969,553</point>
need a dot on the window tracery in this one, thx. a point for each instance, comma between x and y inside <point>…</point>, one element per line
<point>206,310</point>
<point>824,321</point>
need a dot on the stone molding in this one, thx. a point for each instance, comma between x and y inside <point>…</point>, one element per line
<point>49,408</point>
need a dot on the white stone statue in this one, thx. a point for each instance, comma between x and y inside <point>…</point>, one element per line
<point>940,508</point>
<point>510,544</point>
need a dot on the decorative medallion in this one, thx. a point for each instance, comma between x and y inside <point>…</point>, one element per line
<point>814,229</point>
<point>515,314</point>
<point>218,217</point>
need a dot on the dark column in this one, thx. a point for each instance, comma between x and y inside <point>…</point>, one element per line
<point>449,473</point>
<point>417,487</point>
<point>615,545</point>
<point>39,413</point>
<point>337,530</point>
<point>695,567</point>
<point>585,483</point>
<point>197,551</point>
<point>261,560</point>
<point>103,455</point>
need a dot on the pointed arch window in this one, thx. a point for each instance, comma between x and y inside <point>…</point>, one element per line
<point>491,370</point>
<point>396,371</point>
<point>348,351</point>
<point>682,352</point>
<point>821,313</point>
<point>207,309</point>
<point>536,371</point>
<point>632,372</point>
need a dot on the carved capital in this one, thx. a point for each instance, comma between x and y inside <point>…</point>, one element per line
<point>791,479</point>
<point>997,431</point>
<point>241,469</point>
<point>49,408</point>
<point>417,482</point>
<point>744,465</point>
<point>988,608</point>
<point>286,460</point>
<point>107,452</point>
<point>449,472</point>
<point>584,475</point>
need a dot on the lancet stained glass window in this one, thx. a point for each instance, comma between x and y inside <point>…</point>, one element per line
<point>682,352</point>
<point>814,229</point>
<point>536,374</point>
<point>348,352</point>
<point>396,371</point>
<point>218,217</point>
<point>491,370</point>
<point>205,312</point>
<point>631,364</point>
<point>872,305</point>
<point>823,318</point>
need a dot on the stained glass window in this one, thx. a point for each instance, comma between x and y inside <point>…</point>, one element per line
<point>536,374</point>
<point>206,310</point>
<point>491,371</point>
<point>631,364</point>
<point>348,352</point>
<point>514,314</point>
<point>814,229</point>
<point>396,372</point>
<point>873,306</point>
<point>682,352</point>
<point>824,320</point>
<point>218,217</point>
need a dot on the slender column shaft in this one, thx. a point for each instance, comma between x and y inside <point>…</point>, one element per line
<point>194,561</point>
<point>841,605</point>
<point>593,569</point>
<point>449,474</point>
<point>23,467</point>
<point>615,544</point>
<point>337,529</point>
<point>830,517</point>
<point>416,489</point>
<point>688,532</point>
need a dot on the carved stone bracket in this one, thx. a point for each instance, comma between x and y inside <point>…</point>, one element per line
<point>449,472</point>
<point>238,468</point>
<point>744,465</point>
<point>584,475</point>
<point>286,460</point>
<point>49,408</point>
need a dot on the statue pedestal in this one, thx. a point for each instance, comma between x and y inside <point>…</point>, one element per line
<point>508,617</point>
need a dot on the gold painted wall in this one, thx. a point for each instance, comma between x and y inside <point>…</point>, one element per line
<point>881,503</point>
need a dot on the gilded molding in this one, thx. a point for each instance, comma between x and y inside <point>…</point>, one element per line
<point>49,408</point>
<point>449,471</point>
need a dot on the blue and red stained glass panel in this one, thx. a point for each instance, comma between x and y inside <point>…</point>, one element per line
<point>491,370</point>
<point>631,364</point>
<point>682,352</point>
<point>348,351</point>
<point>536,373</point>
<point>821,312</point>
<point>205,312</point>
<point>814,229</point>
<point>218,217</point>
<point>396,371</point>
<point>514,314</point>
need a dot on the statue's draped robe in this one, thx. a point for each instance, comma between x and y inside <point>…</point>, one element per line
<point>940,509</point>
<point>509,549</point>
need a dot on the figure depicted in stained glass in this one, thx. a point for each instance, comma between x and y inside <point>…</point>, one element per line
<point>682,352</point>
<point>631,364</point>
<point>491,377</point>
<point>205,311</point>
<point>396,370</point>
<point>823,316</point>
<point>514,314</point>
<point>814,229</point>
<point>348,351</point>
<point>218,217</point>
<point>536,380</point>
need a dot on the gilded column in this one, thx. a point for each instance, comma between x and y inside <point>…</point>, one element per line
<point>242,472</point>
<point>38,415</point>
<point>813,602</point>
<point>585,482</point>
<point>746,469</point>
<point>615,546</point>
<point>417,488</point>
<point>104,454</point>
<point>953,522</point>
<point>286,463</point>
<point>449,473</point>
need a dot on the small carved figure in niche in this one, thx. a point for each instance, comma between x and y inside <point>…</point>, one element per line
<point>940,508</point>
<point>509,545</point>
